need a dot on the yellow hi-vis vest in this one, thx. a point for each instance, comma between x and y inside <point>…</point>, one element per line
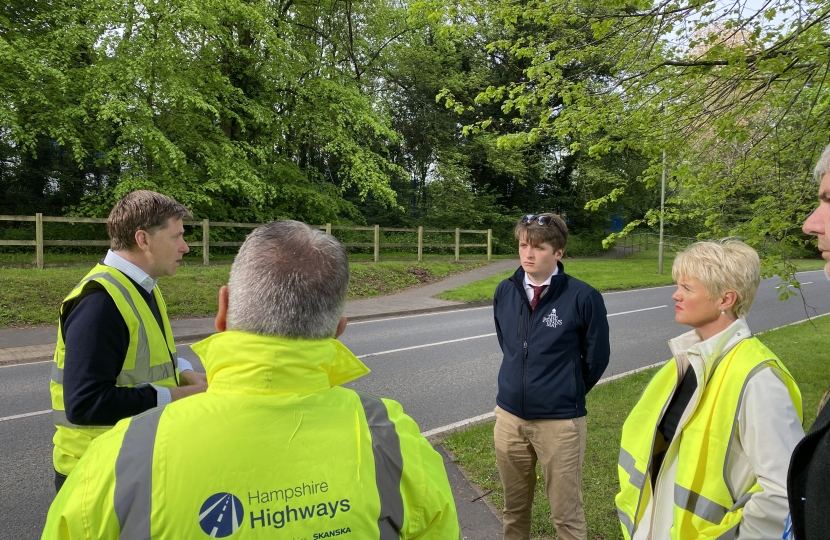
<point>705,505</point>
<point>151,358</point>
<point>273,449</point>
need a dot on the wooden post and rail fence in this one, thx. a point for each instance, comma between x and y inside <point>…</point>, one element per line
<point>39,243</point>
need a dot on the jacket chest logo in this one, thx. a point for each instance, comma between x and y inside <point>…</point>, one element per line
<point>553,320</point>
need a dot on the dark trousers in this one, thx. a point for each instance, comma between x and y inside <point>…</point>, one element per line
<point>59,480</point>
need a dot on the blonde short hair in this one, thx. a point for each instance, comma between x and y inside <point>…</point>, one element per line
<point>721,266</point>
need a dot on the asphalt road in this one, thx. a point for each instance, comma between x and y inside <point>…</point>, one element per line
<point>442,367</point>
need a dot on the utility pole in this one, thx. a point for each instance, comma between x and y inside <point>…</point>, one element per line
<point>662,210</point>
<point>662,193</point>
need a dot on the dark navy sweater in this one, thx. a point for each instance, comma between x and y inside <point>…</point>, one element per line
<point>97,339</point>
<point>554,354</point>
<point>808,482</point>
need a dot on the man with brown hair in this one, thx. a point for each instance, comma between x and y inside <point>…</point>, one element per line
<point>553,333</point>
<point>115,356</point>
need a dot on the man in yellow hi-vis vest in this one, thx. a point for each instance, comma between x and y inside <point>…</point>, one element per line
<point>115,356</point>
<point>276,447</point>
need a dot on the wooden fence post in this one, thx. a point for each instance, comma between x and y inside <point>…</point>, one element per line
<point>420,243</point>
<point>377,242</point>
<point>39,240</point>
<point>206,242</point>
<point>457,244</point>
<point>328,229</point>
<point>489,244</point>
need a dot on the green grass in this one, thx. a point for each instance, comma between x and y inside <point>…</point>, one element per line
<point>632,272</point>
<point>31,297</point>
<point>801,348</point>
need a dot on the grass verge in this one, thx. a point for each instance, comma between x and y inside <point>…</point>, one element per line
<point>602,274</point>
<point>801,348</point>
<point>31,297</point>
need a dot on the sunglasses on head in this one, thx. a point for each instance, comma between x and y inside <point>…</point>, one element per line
<point>543,221</point>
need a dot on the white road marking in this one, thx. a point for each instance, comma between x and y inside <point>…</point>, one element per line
<point>25,415</point>
<point>448,312</point>
<point>444,342</point>
<point>455,426</point>
<point>426,345</point>
<point>481,336</point>
<point>635,310</point>
<point>475,419</point>
<point>637,290</point>
<point>26,364</point>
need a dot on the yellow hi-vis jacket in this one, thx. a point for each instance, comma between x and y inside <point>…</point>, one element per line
<point>274,449</point>
<point>151,358</point>
<point>705,505</point>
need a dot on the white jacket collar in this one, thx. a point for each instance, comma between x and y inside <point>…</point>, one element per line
<point>703,356</point>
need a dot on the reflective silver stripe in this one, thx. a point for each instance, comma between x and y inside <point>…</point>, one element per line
<point>142,351</point>
<point>133,377</point>
<point>699,505</point>
<point>386,447</point>
<point>628,464</point>
<point>59,419</point>
<point>142,371</point>
<point>626,521</point>
<point>134,476</point>
<point>148,375</point>
<point>57,373</point>
<point>740,503</point>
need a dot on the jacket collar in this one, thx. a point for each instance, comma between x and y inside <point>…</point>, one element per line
<point>244,363</point>
<point>556,282</point>
<point>704,356</point>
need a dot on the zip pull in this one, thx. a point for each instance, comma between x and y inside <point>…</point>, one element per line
<point>525,344</point>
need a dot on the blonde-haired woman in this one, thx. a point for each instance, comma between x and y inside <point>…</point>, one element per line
<point>704,452</point>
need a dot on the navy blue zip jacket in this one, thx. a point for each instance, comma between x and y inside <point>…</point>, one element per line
<point>554,354</point>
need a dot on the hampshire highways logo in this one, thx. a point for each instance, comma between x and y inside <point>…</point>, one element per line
<point>221,515</point>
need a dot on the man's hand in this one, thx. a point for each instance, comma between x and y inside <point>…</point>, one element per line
<point>189,377</point>
<point>184,391</point>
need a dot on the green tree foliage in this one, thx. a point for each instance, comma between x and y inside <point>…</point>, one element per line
<point>734,94</point>
<point>243,110</point>
<point>326,111</point>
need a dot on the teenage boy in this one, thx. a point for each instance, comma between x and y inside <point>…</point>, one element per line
<point>553,332</point>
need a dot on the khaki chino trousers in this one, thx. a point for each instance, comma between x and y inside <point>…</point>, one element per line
<point>559,446</point>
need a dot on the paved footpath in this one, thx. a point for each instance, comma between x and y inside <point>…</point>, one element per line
<point>479,520</point>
